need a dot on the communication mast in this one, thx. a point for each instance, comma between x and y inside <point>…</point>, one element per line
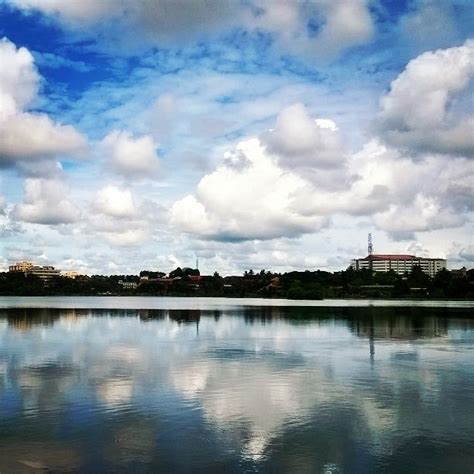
<point>370,247</point>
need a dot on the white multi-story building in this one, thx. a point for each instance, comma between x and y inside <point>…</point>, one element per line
<point>20,267</point>
<point>43,272</point>
<point>70,274</point>
<point>400,264</point>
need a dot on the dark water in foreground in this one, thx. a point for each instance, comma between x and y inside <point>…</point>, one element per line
<point>238,389</point>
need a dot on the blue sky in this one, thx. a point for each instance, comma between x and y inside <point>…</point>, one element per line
<point>253,134</point>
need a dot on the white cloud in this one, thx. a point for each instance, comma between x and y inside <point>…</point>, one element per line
<point>34,136</point>
<point>130,156</point>
<point>19,78</point>
<point>249,201</point>
<point>149,19</point>
<point>123,220</point>
<point>115,202</point>
<point>432,22</point>
<point>467,253</point>
<point>340,23</point>
<point>3,204</point>
<point>28,136</point>
<point>460,255</point>
<point>424,214</point>
<point>348,23</point>
<point>300,141</point>
<point>127,238</point>
<point>410,196</point>
<point>46,201</point>
<point>85,10</point>
<point>416,112</point>
<point>284,191</point>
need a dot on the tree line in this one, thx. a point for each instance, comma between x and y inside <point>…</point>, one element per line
<point>293,285</point>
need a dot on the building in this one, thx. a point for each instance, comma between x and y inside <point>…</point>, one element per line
<point>400,264</point>
<point>459,272</point>
<point>70,274</point>
<point>128,285</point>
<point>20,267</point>
<point>43,272</point>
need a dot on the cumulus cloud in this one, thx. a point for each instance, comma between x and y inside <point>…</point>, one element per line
<point>416,114</point>
<point>432,22</point>
<point>150,19</point>
<point>86,10</point>
<point>266,188</point>
<point>121,219</point>
<point>347,23</point>
<point>253,201</point>
<point>413,196</point>
<point>34,136</point>
<point>319,28</point>
<point>461,254</point>
<point>127,238</point>
<point>115,202</point>
<point>424,214</point>
<point>26,136</point>
<point>46,201</point>
<point>303,142</point>
<point>18,78</point>
<point>467,253</point>
<point>130,156</point>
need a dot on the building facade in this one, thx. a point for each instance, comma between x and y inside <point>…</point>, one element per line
<point>70,274</point>
<point>43,272</point>
<point>400,264</point>
<point>20,267</point>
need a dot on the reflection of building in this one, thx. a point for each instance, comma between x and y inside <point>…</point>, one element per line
<point>23,319</point>
<point>399,326</point>
<point>400,264</point>
<point>43,272</point>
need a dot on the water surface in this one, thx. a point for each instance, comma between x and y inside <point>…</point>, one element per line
<point>237,389</point>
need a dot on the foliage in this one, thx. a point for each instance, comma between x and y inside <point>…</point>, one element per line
<point>293,285</point>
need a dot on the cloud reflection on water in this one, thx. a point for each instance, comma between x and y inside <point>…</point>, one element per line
<point>250,379</point>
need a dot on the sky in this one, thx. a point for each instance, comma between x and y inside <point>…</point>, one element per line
<point>252,134</point>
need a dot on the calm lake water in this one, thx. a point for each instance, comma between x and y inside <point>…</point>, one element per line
<point>209,385</point>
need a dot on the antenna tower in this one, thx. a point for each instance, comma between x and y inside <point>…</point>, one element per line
<point>370,246</point>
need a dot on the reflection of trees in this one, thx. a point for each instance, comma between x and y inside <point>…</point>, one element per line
<point>151,314</point>
<point>185,315</point>
<point>23,319</point>
<point>235,400</point>
<point>398,323</point>
<point>262,314</point>
<point>374,322</point>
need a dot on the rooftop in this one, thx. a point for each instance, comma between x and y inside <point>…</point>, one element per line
<point>390,257</point>
<point>395,257</point>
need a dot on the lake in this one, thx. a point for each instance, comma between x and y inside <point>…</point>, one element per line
<point>202,385</point>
